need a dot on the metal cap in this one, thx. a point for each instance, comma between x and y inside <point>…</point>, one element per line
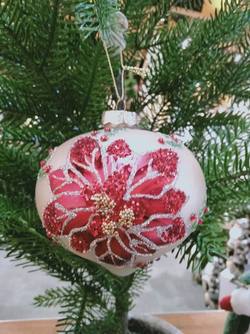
<point>119,119</point>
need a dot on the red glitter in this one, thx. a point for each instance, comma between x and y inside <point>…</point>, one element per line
<point>171,229</point>
<point>174,138</point>
<point>115,185</point>
<point>94,133</point>
<point>175,233</point>
<point>107,129</point>
<point>52,224</point>
<point>42,163</point>
<point>139,211</point>
<point>174,200</point>
<point>80,241</point>
<point>193,217</point>
<point>95,228</point>
<point>83,147</point>
<point>165,161</point>
<point>45,168</point>
<point>104,138</point>
<point>161,140</point>
<point>119,148</point>
<point>205,210</point>
<point>200,222</point>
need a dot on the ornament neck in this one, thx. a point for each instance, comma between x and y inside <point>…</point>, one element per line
<point>119,119</point>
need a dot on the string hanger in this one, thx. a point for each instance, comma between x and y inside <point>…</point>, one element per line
<point>110,24</point>
<point>120,97</point>
<point>115,40</point>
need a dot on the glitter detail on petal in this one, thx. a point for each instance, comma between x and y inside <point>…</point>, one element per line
<point>164,231</point>
<point>83,147</point>
<point>175,233</point>
<point>95,228</point>
<point>165,162</point>
<point>174,200</point>
<point>80,241</point>
<point>115,185</point>
<point>52,224</point>
<point>119,148</point>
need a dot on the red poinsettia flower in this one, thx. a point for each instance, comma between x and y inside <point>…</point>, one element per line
<point>115,203</point>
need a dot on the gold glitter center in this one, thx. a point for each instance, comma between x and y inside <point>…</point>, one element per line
<point>105,207</point>
<point>103,204</point>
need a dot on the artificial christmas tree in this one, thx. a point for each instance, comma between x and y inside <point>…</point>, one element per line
<point>55,83</point>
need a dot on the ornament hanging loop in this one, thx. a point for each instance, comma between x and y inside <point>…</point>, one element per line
<point>120,104</point>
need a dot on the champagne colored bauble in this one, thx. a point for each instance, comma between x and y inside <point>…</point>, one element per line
<point>120,196</point>
<point>211,6</point>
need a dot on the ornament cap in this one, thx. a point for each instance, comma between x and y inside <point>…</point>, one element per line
<point>119,119</point>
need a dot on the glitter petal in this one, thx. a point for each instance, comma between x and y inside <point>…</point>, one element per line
<point>52,223</point>
<point>165,162</point>
<point>165,230</point>
<point>119,148</point>
<point>80,241</point>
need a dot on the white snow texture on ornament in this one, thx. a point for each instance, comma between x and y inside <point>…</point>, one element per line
<point>120,197</point>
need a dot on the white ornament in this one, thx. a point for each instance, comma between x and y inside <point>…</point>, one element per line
<point>120,196</point>
<point>240,301</point>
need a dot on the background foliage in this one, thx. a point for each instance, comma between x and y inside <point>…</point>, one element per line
<point>55,84</point>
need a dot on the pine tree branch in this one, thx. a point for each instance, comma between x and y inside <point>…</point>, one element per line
<point>34,67</point>
<point>229,178</point>
<point>93,73</point>
<point>78,327</point>
<point>51,37</point>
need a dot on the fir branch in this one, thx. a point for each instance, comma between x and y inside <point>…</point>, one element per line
<point>190,77</point>
<point>53,25</point>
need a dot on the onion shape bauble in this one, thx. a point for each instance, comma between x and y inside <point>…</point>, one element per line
<point>120,196</point>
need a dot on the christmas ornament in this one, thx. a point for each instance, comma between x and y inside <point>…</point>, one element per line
<point>239,247</point>
<point>207,10</point>
<point>211,280</point>
<point>210,7</point>
<point>120,196</point>
<point>238,303</point>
